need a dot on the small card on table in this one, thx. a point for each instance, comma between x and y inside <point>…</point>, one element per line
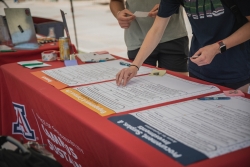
<point>234,93</point>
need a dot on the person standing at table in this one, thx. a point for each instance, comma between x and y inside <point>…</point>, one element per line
<point>171,52</point>
<point>220,51</point>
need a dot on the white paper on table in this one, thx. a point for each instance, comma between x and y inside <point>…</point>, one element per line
<point>141,14</point>
<point>91,73</point>
<point>94,57</point>
<point>144,91</point>
<point>213,127</point>
<point>37,66</point>
<point>4,47</point>
<point>29,62</point>
<point>33,62</point>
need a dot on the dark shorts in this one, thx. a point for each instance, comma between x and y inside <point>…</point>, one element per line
<point>229,85</point>
<point>171,55</point>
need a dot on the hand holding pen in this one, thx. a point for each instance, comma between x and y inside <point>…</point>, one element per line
<point>205,55</point>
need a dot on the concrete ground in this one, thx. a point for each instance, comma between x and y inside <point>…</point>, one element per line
<point>96,27</point>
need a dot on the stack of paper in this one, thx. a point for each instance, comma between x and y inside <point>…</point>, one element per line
<point>32,64</point>
<point>94,57</point>
<point>4,48</point>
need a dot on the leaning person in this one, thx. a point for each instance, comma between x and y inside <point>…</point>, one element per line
<point>220,53</point>
<point>172,51</point>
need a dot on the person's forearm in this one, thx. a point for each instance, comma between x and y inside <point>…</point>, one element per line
<point>151,40</point>
<point>239,36</point>
<point>116,6</point>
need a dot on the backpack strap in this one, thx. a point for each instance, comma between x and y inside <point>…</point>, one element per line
<point>240,19</point>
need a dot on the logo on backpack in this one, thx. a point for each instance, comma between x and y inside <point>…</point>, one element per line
<point>22,126</point>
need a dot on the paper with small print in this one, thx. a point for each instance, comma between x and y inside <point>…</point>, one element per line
<point>141,14</point>
<point>85,57</point>
<point>193,130</point>
<point>90,73</point>
<point>143,91</point>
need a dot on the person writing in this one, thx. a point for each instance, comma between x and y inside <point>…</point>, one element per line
<point>171,52</point>
<point>220,53</point>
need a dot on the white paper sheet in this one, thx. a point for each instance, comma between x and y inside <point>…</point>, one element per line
<point>144,91</point>
<point>4,47</point>
<point>85,57</point>
<point>141,14</point>
<point>90,73</point>
<point>36,64</point>
<point>213,127</point>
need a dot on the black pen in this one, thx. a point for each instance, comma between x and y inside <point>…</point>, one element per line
<point>214,98</point>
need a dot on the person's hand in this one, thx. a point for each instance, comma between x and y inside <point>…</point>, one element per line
<point>125,17</point>
<point>154,11</point>
<point>125,75</point>
<point>205,55</point>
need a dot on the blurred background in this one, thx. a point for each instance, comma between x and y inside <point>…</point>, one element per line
<point>96,27</point>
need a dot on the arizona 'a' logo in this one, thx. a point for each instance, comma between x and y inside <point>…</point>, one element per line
<point>22,126</point>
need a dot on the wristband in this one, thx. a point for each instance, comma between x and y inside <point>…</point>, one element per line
<point>222,46</point>
<point>135,66</point>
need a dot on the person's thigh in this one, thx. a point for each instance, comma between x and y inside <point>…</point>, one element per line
<point>151,60</point>
<point>174,55</point>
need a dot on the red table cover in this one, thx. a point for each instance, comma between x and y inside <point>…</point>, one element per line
<point>34,110</point>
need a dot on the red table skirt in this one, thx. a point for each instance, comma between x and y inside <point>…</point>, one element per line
<point>75,134</point>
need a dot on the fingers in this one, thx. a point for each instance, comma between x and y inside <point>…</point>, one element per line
<point>125,17</point>
<point>126,78</point>
<point>119,78</point>
<point>197,58</point>
<point>123,77</point>
<point>197,54</point>
<point>153,14</point>
<point>200,60</point>
<point>155,8</point>
<point>205,55</point>
<point>124,24</point>
<point>154,11</point>
<point>128,13</point>
<point>129,78</point>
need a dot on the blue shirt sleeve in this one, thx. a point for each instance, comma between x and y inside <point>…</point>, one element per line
<point>244,7</point>
<point>168,8</point>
